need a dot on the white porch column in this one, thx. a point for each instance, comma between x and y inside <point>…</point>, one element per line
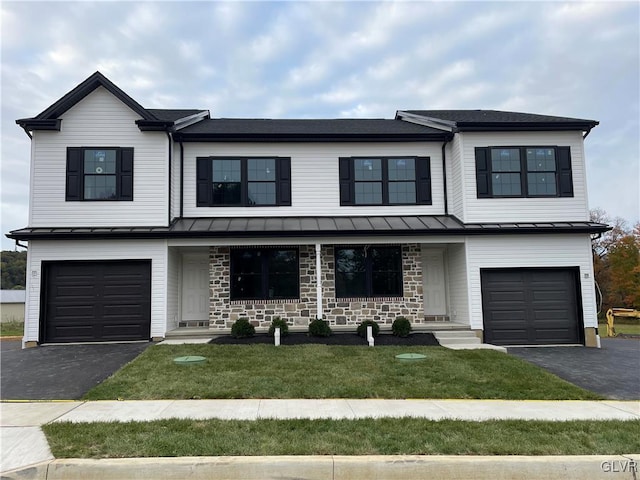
<point>318,283</point>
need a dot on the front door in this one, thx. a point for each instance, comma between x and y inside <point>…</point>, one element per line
<point>195,288</point>
<point>433,282</point>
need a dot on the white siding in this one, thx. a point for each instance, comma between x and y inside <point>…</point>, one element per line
<point>530,251</point>
<point>41,250</point>
<point>455,187</point>
<point>173,288</point>
<point>175,181</point>
<point>100,120</point>
<point>524,209</point>
<point>314,177</point>
<point>457,284</point>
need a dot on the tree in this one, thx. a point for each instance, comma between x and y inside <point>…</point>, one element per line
<point>624,271</point>
<point>616,262</point>
<point>14,269</point>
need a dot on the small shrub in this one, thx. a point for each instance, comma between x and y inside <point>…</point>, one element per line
<point>319,328</point>
<point>242,328</point>
<point>401,327</point>
<point>277,322</point>
<point>362,328</point>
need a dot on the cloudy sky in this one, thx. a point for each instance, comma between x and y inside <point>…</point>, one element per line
<point>334,59</point>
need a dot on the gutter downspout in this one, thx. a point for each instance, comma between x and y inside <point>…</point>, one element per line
<point>585,135</point>
<point>181,180</point>
<point>170,175</point>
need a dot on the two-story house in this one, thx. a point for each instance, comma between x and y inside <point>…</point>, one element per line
<point>144,221</point>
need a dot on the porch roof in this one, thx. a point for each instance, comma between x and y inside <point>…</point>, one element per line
<point>235,227</point>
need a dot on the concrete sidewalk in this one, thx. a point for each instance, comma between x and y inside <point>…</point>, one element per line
<point>24,444</point>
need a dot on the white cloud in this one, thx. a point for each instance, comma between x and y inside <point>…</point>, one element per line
<point>335,59</point>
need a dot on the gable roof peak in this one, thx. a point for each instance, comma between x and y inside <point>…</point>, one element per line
<point>78,93</point>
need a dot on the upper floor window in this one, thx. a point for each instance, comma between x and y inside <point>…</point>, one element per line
<point>264,273</point>
<point>242,182</point>
<point>97,173</point>
<point>368,271</point>
<point>523,172</point>
<point>385,181</point>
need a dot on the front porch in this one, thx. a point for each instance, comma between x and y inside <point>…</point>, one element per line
<point>428,287</point>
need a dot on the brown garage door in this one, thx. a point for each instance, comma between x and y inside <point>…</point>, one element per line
<point>528,306</point>
<point>96,301</point>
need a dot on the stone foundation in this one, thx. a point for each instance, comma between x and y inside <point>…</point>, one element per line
<point>299,312</point>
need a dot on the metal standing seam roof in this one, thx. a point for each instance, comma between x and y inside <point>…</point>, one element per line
<point>232,227</point>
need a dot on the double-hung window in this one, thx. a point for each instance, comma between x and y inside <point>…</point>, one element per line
<point>99,173</point>
<point>243,181</point>
<point>368,271</point>
<point>264,274</point>
<point>523,172</point>
<point>385,180</point>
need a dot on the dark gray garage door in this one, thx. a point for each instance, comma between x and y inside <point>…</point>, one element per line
<point>96,301</point>
<point>527,306</point>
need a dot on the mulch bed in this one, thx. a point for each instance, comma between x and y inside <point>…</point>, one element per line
<point>421,339</point>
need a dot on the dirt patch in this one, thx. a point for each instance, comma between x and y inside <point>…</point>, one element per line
<point>421,339</point>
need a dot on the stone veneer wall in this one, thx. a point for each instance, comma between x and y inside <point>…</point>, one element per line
<point>337,311</point>
<point>223,312</point>
<point>351,311</point>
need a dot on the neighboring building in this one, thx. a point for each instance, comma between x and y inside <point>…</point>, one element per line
<point>12,305</point>
<point>143,221</point>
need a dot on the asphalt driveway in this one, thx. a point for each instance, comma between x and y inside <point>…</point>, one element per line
<point>612,371</point>
<point>59,372</point>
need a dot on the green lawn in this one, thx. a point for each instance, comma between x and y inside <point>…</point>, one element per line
<point>624,328</point>
<point>169,438</point>
<point>320,371</point>
<point>11,329</point>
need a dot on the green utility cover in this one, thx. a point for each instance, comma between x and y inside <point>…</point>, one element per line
<point>189,360</point>
<point>411,357</point>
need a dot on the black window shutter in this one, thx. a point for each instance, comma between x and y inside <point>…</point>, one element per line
<point>283,187</point>
<point>74,174</point>
<point>204,188</point>
<point>483,174</point>
<point>423,180</point>
<point>347,191</point>
<point>565,187</point>
<point>126,174</point>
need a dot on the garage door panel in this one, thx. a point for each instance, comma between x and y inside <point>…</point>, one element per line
<point>509,336</point>
<point>507,297</point>
<point>97,301</point>
<point>540,306</point>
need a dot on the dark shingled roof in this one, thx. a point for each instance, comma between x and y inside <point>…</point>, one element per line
<point>306,129</point>
<point>171,115</point>
<point>313,227</point>
<point>492,119</point>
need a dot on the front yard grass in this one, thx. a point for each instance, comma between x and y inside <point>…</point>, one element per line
<point>11,329</point>
<point>320,371</point>
<point>387,436</point>
<point>621,328</point>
